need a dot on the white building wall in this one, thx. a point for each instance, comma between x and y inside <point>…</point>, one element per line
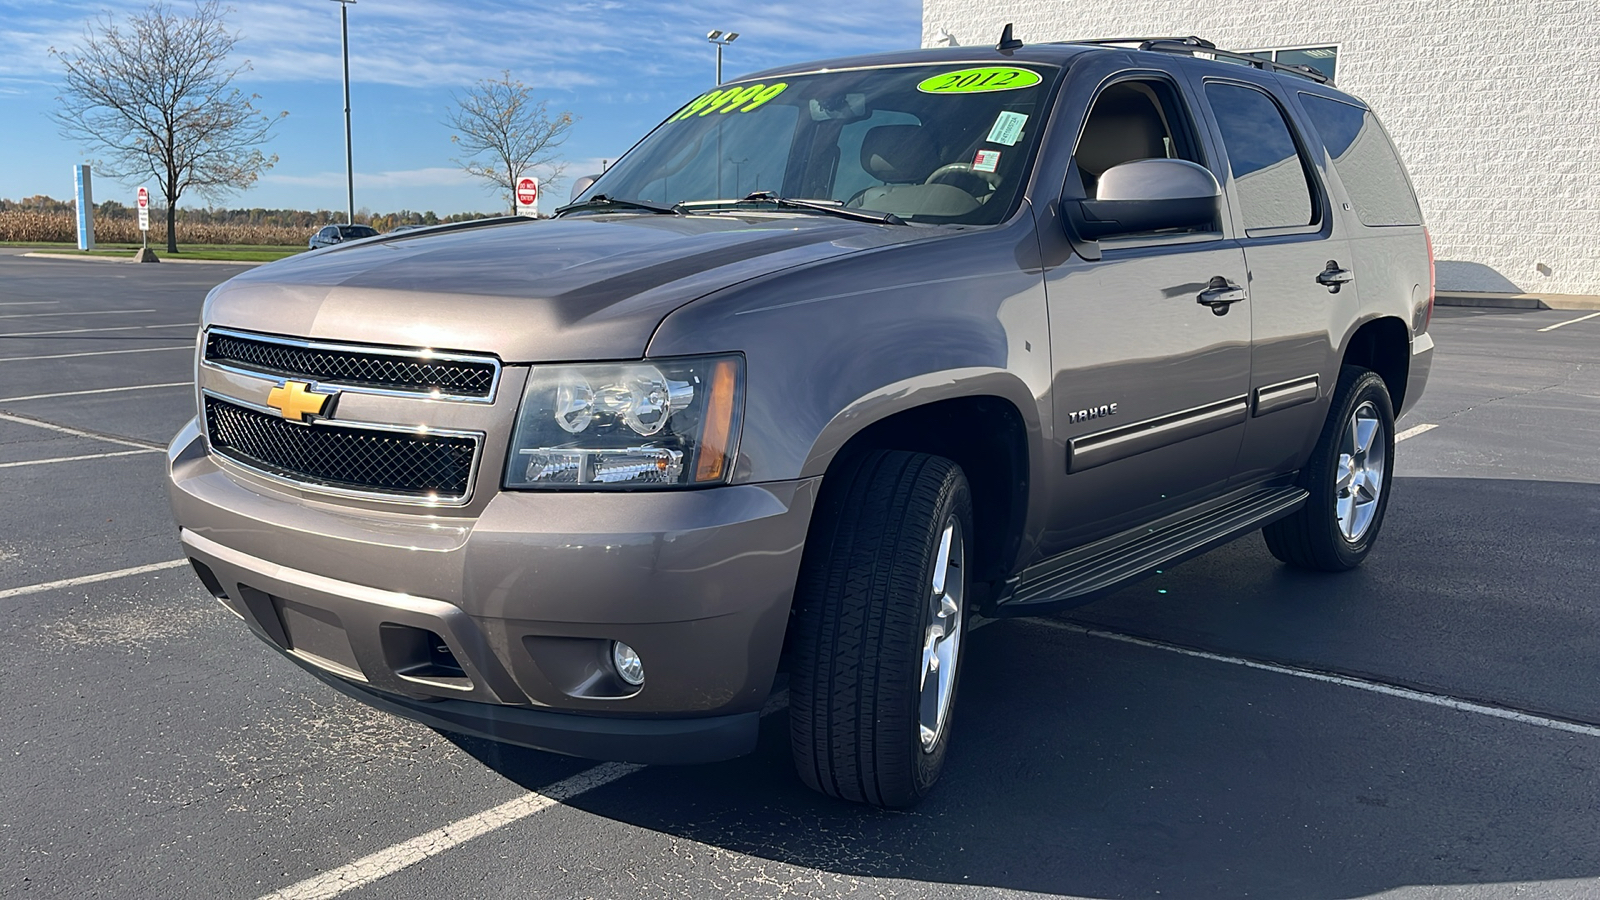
<point>1494,105</point>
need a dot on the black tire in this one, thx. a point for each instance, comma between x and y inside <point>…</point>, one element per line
<point>1312,538</point>
<point>861,615</point>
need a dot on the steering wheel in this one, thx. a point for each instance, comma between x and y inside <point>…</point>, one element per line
<point>964,176</point>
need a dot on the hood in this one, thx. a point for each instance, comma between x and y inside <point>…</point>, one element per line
<point>583,287</point>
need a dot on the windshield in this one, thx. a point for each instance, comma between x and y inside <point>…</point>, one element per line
<point>937,143</point>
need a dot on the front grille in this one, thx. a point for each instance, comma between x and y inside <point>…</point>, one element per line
<point>395,370</point>
<point>365,460</point>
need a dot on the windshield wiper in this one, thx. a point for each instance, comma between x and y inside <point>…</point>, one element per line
<point>601,201</point>
<point>833,209</point>
<point>860,215</point>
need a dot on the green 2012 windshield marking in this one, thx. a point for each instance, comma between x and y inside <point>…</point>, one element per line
<point>978,81</point>
<point>734,99</point>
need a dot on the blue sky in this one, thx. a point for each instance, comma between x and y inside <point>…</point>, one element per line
<point>620,67</point>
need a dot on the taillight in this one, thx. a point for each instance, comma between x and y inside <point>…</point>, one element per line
<point>1433,281</point>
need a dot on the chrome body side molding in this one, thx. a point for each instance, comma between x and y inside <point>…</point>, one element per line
<point>1130,440</point>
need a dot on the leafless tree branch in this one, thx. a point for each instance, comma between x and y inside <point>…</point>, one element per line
<point>156,97</point>
<point>505,134</point>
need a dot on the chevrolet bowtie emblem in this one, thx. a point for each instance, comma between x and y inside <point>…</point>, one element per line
<point>296,400</point>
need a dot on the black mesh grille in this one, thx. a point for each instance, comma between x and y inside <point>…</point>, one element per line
<point>352,458</point>
<point>379,370</point>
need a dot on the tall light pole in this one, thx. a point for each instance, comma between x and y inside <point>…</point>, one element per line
<point>349,163</point>
<point>721,40</point>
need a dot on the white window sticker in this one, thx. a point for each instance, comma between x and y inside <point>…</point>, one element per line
<point>1008,128</point>
<point>986,161</point>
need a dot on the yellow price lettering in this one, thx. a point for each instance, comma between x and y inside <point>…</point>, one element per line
<point>698,104</point>
<point>735,99</point>
<point>730,101</point>
<point>765,96</point>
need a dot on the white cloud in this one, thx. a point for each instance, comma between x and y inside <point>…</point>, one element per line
<point>436,176</point>
<point>561,45</point>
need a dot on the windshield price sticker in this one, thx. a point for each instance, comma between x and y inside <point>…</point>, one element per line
<point>980,81</point>
<point>734,99</point>
<point>986,161</point>
<point>1008,128</point>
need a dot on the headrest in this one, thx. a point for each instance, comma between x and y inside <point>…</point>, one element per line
<point>899,154</point>
<point>1123,126</point>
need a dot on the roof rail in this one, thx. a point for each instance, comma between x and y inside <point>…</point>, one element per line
<point>1142,40</point>
<point>1192,46</point>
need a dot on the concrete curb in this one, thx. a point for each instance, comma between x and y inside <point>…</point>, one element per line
<point>1518,301</point>
<point>168,259</point>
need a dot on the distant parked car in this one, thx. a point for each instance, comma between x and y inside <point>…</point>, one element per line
<point>338,234</point>
<point>401,228</point>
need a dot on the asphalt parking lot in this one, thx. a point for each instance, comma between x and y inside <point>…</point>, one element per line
<point>1425,727</point>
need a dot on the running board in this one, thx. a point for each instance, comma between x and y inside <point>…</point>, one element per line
<point>1086,573</point>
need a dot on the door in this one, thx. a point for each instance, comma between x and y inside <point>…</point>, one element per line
<point>1302,288</point>
<point>1149,383</point>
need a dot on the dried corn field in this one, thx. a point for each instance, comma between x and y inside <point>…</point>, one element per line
<point>30,226</point>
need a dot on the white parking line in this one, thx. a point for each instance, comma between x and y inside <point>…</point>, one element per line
<point>90,579</point>
<point>388,861</point>
<point>12,334</point>
<point>51,426</point>
<point>1360,684</point>
<point>1571,322</point>
<point>98,312</point>
<point>62,459</point>
<point>114,390</point>
<point>373,867</point>
<point>93,353</point>
<point>1413,431</point>
<point>31,303</point>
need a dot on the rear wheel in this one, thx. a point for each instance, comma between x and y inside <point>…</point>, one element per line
<point>880,618</point>
<point>1348,477</point>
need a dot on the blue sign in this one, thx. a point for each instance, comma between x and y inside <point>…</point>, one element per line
<point>85,194</point>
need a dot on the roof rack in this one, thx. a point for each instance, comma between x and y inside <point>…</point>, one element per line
<point>1191,46</point>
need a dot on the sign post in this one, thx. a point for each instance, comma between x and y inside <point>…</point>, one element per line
<point>528,197</point>
<point>145,254</point>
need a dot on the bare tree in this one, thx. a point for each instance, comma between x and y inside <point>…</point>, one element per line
<point>158,99</point>
<point>506,134</point>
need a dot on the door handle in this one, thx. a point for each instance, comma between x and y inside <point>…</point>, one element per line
<point>1220,294</point>
<point>1334,277</point>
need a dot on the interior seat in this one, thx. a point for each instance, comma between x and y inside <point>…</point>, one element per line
<point>1124,125</point>
<point>903,156</point>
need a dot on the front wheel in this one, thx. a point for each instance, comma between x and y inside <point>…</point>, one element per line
<point>1348,478</point>
<point>880,618</point>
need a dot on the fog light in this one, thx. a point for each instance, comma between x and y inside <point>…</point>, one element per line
<point>629,666</point>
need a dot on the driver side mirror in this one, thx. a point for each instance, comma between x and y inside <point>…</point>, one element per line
<point>1142,196</point>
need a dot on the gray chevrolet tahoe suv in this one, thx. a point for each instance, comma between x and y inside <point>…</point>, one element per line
<point>837,357</point>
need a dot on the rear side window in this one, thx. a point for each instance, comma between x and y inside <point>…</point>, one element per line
<point>1366,162</point>
<point>1269,175</point>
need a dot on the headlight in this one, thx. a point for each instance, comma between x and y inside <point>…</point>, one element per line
<point>659,423</point>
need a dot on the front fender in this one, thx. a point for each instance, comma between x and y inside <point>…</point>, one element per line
<point>923,390</point>
<point>833,347</point>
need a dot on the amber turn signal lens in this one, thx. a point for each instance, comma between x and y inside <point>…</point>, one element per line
<point>719,422</point>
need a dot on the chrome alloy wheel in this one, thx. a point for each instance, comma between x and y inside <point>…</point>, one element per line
<point>941,645</point>
<point>1363,461</point>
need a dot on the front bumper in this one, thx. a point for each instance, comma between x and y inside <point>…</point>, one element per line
<point>501,624</point>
